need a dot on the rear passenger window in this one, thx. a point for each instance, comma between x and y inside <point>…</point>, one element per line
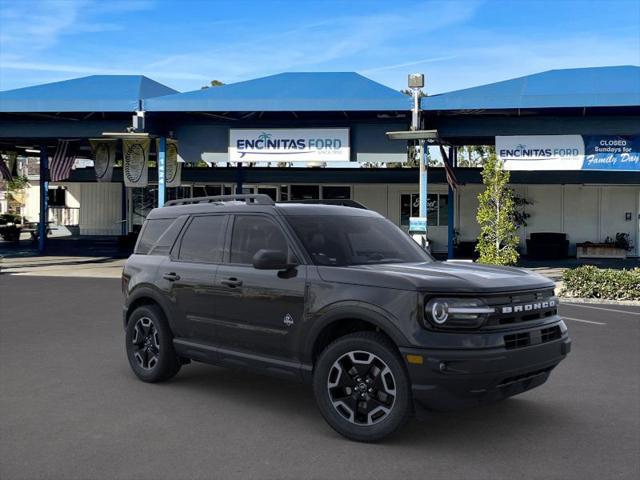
<point>204,239</point>
<point>150,234</point>
<point>253,233</point>
<point>167,239</point>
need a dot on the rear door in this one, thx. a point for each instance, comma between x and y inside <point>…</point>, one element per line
<point>189,274</point>
<point>258,310</point>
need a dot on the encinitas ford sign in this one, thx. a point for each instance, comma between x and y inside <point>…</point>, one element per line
<point>569,152</point>
<point>289,145</point>
<point>541,152</point>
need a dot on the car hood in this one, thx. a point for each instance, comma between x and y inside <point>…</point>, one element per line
<point>450,277</point>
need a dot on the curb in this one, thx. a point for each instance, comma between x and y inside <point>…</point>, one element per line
<point>600,301</point>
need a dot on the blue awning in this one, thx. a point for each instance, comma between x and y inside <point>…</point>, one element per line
<point>96,93</point>
<point>577,87</point>
<point>288,92</point>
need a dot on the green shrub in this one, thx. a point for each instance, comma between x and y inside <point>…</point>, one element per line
<point>592,282</point>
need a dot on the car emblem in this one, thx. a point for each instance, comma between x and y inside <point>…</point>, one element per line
<point>288,320</point>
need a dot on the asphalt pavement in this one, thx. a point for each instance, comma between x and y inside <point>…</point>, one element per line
<point>71,408</point>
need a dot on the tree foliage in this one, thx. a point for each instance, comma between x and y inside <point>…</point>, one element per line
<point>498,242</point>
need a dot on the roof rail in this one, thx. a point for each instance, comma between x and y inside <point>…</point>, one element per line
<point>342,202</point>
<point>257,199</point>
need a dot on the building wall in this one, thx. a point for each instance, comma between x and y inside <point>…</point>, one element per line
<point>100,208</point>
<point>584,212</point>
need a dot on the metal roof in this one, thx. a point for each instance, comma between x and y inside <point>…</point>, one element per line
<point>96,93</point>
<point>288,92</point>
<point>576,87</point>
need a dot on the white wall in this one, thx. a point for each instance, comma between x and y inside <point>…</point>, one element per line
<point>100,208</point>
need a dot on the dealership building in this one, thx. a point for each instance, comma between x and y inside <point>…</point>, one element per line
<point>570,137</point>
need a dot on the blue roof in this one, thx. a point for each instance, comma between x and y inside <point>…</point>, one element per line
<point>577,87</point>
<point>298,92</point>
<point>96,93</point>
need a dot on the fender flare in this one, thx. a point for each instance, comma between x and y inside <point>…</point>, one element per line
<point>366,312</point>
<point>148,292</point>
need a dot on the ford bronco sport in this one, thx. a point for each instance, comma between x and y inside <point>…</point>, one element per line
<point>338,297</point>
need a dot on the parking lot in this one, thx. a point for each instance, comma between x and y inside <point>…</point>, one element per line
<point>71,408</point>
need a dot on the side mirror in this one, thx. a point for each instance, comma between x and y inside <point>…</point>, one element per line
<point>271,260</point>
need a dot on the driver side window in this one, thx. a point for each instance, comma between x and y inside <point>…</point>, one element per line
<point>252,233</point>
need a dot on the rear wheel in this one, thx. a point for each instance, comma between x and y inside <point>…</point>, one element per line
<point>150,345</point>
<point>361,387</point>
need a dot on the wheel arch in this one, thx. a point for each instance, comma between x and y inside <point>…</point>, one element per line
<point>145,296</point>
<point>348,318</point>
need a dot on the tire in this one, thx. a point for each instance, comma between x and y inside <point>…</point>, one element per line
<point>368,403</point>
<point>149,345</point>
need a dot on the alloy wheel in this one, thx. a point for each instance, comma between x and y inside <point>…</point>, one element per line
<point>146,343</point>
<point>361,388</point>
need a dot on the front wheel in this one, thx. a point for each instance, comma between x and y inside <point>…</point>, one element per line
<point>362,387</point>
<point>150,345</point>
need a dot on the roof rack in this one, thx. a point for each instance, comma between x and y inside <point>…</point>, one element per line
<point>257,199</point>
<point>343,202</point>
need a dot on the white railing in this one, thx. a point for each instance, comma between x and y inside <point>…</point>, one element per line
<point>64,216</point>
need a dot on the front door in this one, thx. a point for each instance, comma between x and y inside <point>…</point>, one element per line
<point>258,310</point>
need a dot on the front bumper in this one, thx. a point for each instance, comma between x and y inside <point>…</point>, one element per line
<point>449,379</point>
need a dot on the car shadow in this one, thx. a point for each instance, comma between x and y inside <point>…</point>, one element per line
<point>295,401</point>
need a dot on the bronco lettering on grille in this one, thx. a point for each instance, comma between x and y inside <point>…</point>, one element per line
<point>529,307</point>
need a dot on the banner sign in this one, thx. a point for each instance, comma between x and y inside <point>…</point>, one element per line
<point>541,152</point>
<point>610,152</point>
<point>136,162</point>
<point>289,145</point>
<point>569,152</point>
<point>104,157</point>
<point>173,166</point>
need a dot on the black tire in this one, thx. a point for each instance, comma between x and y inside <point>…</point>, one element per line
<point>339,394</point>
<point>152,356</point>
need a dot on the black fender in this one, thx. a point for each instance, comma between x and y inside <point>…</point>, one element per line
<point>150,292</point>
<point>363,311</point>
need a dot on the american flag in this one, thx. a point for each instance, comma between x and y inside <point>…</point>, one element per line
<point>451,174</point>
<point>62,161</point>
<point>5,173</point>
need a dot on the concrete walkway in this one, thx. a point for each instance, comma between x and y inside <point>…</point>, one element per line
<point>63,266</point>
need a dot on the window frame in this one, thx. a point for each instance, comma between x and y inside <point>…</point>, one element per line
<point>174,254</point>
<point>292,243</point>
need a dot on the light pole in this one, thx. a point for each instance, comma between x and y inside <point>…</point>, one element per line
<point>418,227</point>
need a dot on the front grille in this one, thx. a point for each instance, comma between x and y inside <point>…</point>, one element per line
<point>519,307</point>
<point>524,339</point>
<point>517,340</point>
<point>524,377</point>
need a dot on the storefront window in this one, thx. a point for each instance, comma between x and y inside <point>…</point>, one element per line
<point>143,200</point>
<point>437,213</point>
<point>305,192</point>
<point>176,193</point>
<point>336,192</point>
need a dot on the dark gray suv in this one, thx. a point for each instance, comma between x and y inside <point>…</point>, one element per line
<point>338,297</point>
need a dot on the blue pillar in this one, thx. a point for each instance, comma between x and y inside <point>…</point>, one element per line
<point>44,199</point>
<point>453,153</point>
<point>162,181</point>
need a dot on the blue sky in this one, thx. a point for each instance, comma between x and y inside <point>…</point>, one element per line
<point>184,44</point>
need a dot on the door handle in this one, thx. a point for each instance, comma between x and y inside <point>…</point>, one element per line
<point>171,276</point>
<point>232,282</point>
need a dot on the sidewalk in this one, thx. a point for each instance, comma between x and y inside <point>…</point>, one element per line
<point>63,266</point>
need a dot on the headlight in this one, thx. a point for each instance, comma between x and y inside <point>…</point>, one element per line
<point>457,312</point>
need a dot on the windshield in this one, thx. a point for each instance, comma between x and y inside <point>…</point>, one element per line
<point>340,240</point>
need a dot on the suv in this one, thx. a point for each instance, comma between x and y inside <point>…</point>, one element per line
<point>338,297</point>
